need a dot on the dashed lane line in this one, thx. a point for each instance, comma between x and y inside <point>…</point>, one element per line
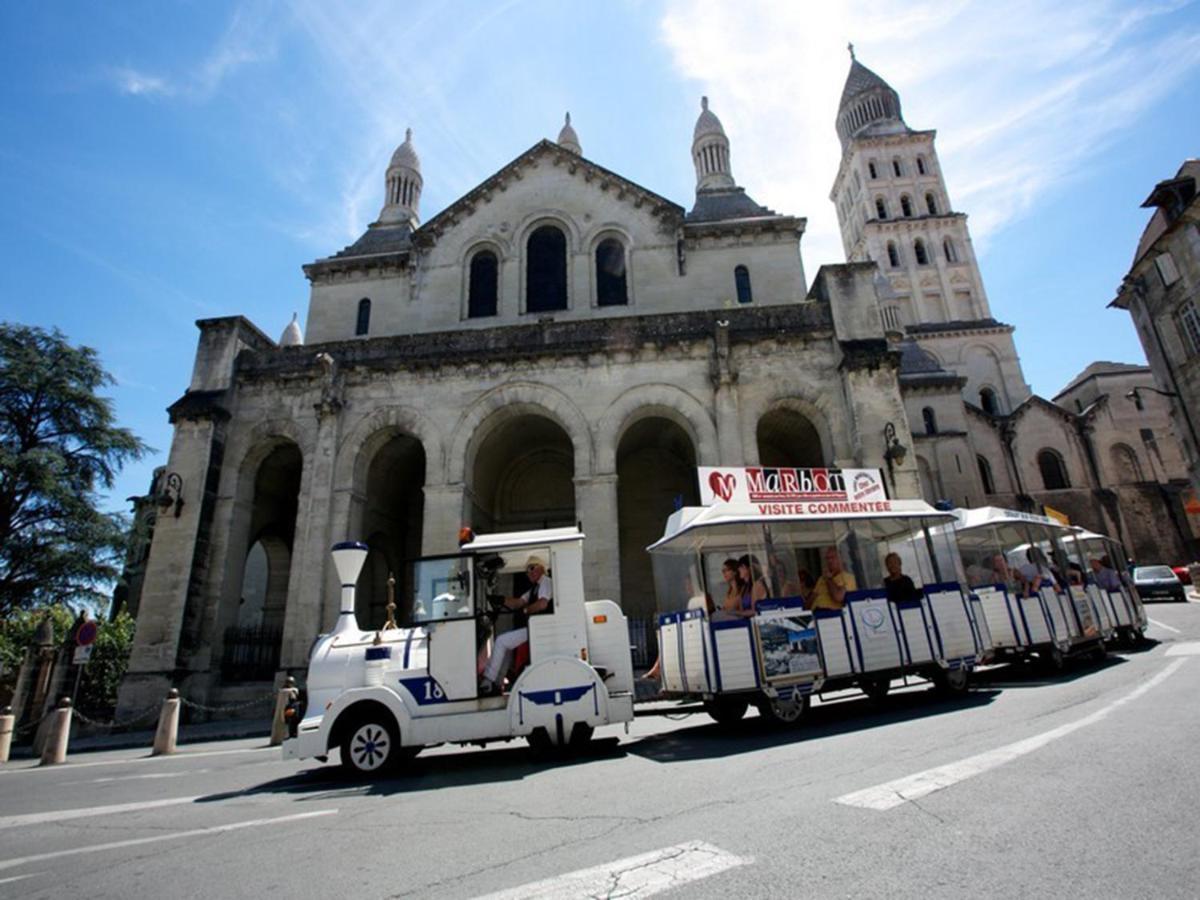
<point>635,876</point>
<point>178,835</point>
<point>62,815</point>
<point>913,787</point>
<point>1164,626</point>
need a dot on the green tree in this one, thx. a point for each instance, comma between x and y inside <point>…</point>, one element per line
<point>59,446</point>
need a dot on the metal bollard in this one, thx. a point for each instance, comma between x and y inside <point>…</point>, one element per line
<point>279,728</point>
<point>7,723</point>
<point>168,725</point>
<point>55,751</point>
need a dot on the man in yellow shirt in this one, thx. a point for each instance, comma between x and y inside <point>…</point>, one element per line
<point>833,584</point>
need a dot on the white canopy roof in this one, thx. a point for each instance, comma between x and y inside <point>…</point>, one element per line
<point>485,543</point>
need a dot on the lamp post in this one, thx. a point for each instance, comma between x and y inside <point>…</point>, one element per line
<point>1136,397</point>
<point>893,451</point>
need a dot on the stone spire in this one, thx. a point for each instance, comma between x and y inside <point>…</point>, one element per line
<point>292,336</point>
<point>868,103</point>
<point>403,186</point>
<point>568,139</point>
<point>710,152</point>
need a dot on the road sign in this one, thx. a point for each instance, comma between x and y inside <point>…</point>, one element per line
<point>83,654</point>
<point>86,635</point>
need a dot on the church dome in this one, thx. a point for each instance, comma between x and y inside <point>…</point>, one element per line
<point>568,139</point>
<point>708,123</point>
<point>292,337</point>
<point>405,156</point>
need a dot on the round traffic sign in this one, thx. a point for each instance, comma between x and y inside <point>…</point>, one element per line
<point>86,635</point>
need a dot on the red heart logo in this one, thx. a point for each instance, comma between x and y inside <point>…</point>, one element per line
<point>722,485</point>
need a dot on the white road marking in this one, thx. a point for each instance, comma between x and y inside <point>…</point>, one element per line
<point>71,765</point>
<point>134,842</point>
<point>61,815</point>
<point>635,876</point>
<point>13,878</point>
<point>151,775</point>
<point>1192,648</point>
<point>1161,625</point>
<point>913,787</point>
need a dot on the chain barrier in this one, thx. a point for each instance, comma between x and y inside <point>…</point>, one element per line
<point>142,714</point>
<point>232,708</point>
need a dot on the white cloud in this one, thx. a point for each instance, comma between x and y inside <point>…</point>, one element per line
<point>131,81</point>
<point>1022,93</point>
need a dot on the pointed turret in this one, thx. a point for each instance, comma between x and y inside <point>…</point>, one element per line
<point>868,103</point>
<point>710,151</point>
<point>403,185</point>
<point>568,139</point>
<point>292,336</point>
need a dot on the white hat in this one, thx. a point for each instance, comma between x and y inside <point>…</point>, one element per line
<point>535,560</point>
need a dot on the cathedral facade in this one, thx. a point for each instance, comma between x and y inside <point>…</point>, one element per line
<point>563,345</point>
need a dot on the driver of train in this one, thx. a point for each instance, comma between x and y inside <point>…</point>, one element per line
<point>537,599</point>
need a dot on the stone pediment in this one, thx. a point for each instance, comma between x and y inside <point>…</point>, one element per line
<point>541,156</point>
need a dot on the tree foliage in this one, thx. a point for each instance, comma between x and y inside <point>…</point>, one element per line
<point>59,445</point>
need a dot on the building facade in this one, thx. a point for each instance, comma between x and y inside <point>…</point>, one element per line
<point>563,345</point>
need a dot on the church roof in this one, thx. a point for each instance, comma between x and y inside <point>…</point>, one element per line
<point>859,81</point>
<point>379,239</point>
<point>920,368</point>
<point>957,325</point>
<point>724,204</point>
<point>1101,367</point>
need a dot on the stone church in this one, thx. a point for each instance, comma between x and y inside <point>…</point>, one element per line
<point>564,345</point>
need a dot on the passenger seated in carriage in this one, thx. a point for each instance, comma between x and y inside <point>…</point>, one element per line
<point>835,581</point>
<point>899,587</point>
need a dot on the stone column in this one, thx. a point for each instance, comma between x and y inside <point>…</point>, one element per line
<point>596,508</point>
<point>443,517</point>
<point>869,376</point>
<point>308,579</point>
<point>724,375</point>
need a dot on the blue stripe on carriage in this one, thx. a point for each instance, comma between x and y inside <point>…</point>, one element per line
<point>729,623</point>
<point>754,659</point>
<point>712,632</point>
<point>780,603</point>
<point>708,684</point>
<point>942,586</point>
<point>897,631</point>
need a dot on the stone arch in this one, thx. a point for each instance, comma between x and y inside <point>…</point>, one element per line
<point>546,216</point>
<point>817,408</point>
<point>374,430</point>
<point>517,398</point>
<point>1125,464</point>
<point>660,400</point>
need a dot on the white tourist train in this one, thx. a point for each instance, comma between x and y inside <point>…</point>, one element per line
<point>814,610</point>
<point>380,695</point>
<point>1038,587</point>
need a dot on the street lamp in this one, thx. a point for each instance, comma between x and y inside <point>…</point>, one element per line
<point>171,493</point>
<point>893,451</point>
<point>1137,397</point>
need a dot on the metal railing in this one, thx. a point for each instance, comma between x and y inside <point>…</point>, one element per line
<point>251,653</point>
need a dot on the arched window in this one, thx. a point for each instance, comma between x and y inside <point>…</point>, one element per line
<point>987,401</point>
<point>483,286</point>
<point>893,255</point>
<point>611,289</point>
<point>363,324</point>
<point>1125,464</point>
<point>871,170</point>
<point>985,475</point>
<point>919,252</point>
<point>948,247</point>
<point>741,280</point>
<point>880,208</point>
<point>931,204</point>
<point>1054,472</point>
<point>897,167</point>
<point>930,420</point>
<point>921,165</point>
<point>546,272</point>
<point>905,206</point>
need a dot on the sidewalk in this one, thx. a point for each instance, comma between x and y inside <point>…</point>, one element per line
<point>202,732</point>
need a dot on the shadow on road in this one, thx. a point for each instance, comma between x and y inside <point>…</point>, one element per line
<point>708,740</point>
<point>1035,673</point>
<point>509,763</point>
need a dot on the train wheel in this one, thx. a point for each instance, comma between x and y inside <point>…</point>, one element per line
<point>951,681</point>
<point>726,710</point>
<point>371,746</point>
<point>1052,658</point>
<point>784,712</point>
<point>876,689</point>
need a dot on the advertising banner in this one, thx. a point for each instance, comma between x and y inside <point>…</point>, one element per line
<point>787,644</point>
<point>783,491</point>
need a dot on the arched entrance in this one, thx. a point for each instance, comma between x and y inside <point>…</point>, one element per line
<point>251,645</point>
<point>656,472</point>
<point>392,517</point>
<point>523,475</point>
<point>788,438</point>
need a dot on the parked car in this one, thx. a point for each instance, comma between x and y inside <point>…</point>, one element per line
<point>1158,583</point>
<point>1182,573</point>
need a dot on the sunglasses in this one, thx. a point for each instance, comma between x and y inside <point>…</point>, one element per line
<point>531,568</point>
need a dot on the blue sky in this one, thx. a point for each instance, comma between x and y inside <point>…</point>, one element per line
<point>168,162</point>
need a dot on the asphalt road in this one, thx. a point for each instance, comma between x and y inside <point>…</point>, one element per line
<point>1081,785</point>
